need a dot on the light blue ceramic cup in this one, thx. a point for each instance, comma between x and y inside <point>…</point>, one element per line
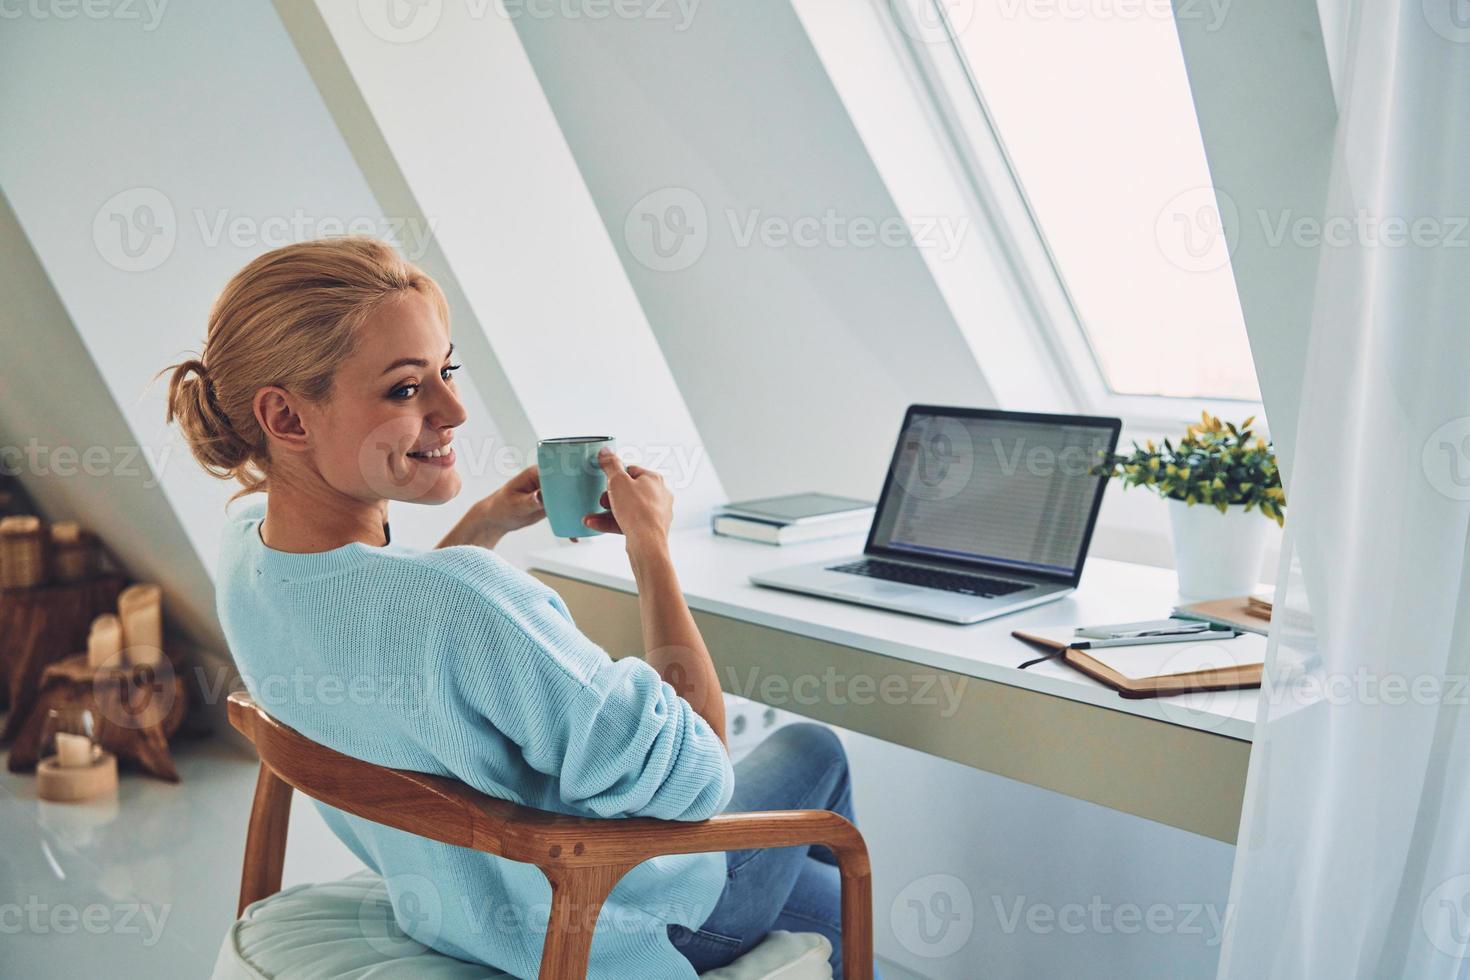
<point>572,482</point>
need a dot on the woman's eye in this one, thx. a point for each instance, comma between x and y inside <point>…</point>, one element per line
<point>407,390</point>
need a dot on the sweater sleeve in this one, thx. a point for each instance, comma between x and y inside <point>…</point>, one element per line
<point>619,739</point>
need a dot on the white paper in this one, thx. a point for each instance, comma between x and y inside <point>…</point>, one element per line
<point>1163,659</point>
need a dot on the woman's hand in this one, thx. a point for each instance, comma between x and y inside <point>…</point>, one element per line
<point>515,505</point>
<point>642,507</point>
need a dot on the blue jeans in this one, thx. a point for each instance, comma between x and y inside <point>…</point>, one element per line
<point>799,767</point>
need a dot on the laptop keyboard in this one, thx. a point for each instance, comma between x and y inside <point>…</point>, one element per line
<point>929,578</point>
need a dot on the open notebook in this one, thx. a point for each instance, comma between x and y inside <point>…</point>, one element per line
<point>1151,670</point>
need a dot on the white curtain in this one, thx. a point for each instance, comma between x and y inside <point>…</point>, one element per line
<point>1354,852</point>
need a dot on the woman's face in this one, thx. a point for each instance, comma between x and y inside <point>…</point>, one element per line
<point>392,402</point>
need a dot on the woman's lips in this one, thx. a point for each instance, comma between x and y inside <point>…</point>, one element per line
<point>445,460</point>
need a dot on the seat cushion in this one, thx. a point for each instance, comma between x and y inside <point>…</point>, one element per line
<point>318,932</point>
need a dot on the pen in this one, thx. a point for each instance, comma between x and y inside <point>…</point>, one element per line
<point>1142,639</point>
<point>1165,631</point>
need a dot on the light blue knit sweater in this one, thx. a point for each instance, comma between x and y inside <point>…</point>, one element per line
<point>452,662</point>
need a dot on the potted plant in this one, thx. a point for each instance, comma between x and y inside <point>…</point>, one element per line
<point>1213,479</point>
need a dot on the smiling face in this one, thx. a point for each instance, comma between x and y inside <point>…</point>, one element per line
<point>385,431</point>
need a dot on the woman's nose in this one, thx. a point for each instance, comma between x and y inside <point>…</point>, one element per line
<point>450,411</point>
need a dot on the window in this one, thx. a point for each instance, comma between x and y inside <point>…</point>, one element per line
<point>1091,123</point>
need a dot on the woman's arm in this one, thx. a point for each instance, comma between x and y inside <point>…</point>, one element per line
<point>512,665</point>
<point>515,505</point>
<point>642,510</point>
<point>671,639</point>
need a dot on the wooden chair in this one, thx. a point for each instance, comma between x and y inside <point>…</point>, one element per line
<point>582,858</point>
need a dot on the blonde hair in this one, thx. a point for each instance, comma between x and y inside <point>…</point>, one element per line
<point>289,318</point>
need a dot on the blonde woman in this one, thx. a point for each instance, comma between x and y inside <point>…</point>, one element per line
<point>327,381</point>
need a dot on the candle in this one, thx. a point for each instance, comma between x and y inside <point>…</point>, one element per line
<point>66,532</point>
<point>20,524</point>
<point>140,607</point>
<point>73,751</point>
<point>105,641</point>
<point>22,552</point>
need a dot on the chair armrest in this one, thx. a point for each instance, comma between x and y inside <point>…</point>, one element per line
<point>583,858</point>
<point>583,842</point>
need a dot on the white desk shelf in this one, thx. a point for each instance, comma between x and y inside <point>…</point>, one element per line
<point>1179,760</point>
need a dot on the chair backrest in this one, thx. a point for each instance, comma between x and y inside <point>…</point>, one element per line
<point>583,858</point>
<point>430,806</point>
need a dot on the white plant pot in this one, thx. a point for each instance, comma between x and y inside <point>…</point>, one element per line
<point>1218,556</point>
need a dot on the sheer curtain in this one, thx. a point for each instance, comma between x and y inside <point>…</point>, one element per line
<point>1354,852</point>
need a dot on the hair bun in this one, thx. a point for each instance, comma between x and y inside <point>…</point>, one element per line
<point>213,440</point>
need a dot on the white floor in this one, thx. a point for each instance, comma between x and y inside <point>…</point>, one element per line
<point>142,885</point>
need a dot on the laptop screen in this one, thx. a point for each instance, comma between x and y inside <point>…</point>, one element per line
<point>1006,489</point>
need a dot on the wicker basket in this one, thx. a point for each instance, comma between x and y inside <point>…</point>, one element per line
<point>74,553</point>
<point>22,552</point>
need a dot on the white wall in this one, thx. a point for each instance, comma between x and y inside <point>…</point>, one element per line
<point>70,445</point>
<point>796,360</point>
<point>1263,93</point>
<point>209,120</point>
<point>738,109</point>
<point>444,115</point>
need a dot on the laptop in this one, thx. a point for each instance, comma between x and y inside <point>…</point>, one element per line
<point>983,512</point>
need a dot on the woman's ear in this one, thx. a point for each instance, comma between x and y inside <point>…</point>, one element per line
<point>279,419</point>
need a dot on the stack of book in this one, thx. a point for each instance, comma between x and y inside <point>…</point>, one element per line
<point>1250,614</point>
<point>793,518</point>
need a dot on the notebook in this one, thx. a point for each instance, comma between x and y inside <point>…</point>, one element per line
<point>1153,670</point>
<point>1249,613</point>
<point>794,518</point>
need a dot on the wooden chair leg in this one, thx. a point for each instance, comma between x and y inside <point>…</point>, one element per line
<point>265,841</point>
<point>577,895</point>
<point>857,917</point>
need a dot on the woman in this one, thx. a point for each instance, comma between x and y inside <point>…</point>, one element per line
<point>327,380</point>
